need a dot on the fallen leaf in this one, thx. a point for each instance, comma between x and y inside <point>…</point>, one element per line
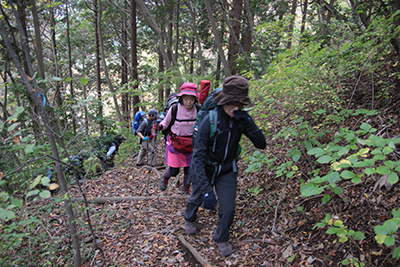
<point>16,140</point>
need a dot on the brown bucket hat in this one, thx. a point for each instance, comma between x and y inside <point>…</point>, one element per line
<point>234,89</point>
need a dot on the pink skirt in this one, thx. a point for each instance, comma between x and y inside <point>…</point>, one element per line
<point>174,158</point>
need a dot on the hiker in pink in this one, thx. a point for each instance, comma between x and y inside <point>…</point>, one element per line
<point>179,149</point>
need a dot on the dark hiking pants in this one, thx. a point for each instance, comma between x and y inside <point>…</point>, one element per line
<point>225,187</point>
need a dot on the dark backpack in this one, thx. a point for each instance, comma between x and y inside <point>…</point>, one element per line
<point>174,111</point>
<point>208,105</point>
<point>172,99</point>
<point>139,116</point>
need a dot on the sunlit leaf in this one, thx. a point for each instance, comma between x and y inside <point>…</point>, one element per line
<point>32,193</point>
<point>29,148</point>
<point>390,226</point>
<point>6,214</point>
<point>393,178</point>
<point>45,194</point>
<point>396,253</point>
<point>17,202</point>
<point>4,196</point>
<point>324,159</point>
<point>389,240</point>
<point>383,170</point>
<point>347,174</point>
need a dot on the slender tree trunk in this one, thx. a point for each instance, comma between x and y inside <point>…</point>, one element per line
<point>191,57</point>
<point>251,26</point>
<point>38,40</point>
<point>71,83</point>
<point>291,24</point>
<point>304,17</point>
<point>238,43</point>
<point>98,67</point>
<point>217,39</point>
<point>57,94</point>
<point>233,48</point>
<point>134,62</point>
<point>196,34</point>
<point>161,87</point>
<point>124,73</point>
<point>177,32</point>
<point>153,25</point>
<point>105,67</point>
<point>49,132</point>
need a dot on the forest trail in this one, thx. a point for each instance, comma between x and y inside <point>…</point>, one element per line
<point>272,227</point>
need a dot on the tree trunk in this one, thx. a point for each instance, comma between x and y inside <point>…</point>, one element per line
<point>98,77</point>
<point>233,48</point>
<point>57,94</point>
<point>191,57</point>
<point>217,39</point>
<point>161,87</point>
<point>291,24</point>
<point>238,43</point>
<point>124,73</point>
<point>177,32</point>
<point>153,25</point>
<point>134,62</point>
<point>49,132</point>
<point>71,83</point>
<point>196,34</point>
<point>304,17</point>
<point>251,26</point>
<point>38,41</point>
<point>105,67</point>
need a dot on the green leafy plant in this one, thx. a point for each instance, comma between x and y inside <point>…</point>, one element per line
<point>255,190</point>
<point>368,156</point>
<point>386,233</point>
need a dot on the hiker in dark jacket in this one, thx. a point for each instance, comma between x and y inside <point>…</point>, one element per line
<point>214,160</point>
<point>146,137</point>
<point>77,168</point>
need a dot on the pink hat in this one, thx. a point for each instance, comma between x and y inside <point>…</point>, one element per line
<point>188,89</point>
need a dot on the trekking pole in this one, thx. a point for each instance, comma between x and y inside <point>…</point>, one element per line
<point>152,152</point>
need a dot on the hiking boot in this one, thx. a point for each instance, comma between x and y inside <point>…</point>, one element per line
<point>163,183</point>
<point>190,227</point>
<point>225,248</point>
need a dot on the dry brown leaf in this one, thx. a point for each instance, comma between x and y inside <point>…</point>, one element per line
<point>16,140</point>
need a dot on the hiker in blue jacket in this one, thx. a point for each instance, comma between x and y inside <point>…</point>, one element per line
<point>214,160</point>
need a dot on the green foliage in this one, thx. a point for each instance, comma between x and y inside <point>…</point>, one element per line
<point>386,233</point>
<point>255,190</point>
<point>352,161</point>
<point>337,227</point>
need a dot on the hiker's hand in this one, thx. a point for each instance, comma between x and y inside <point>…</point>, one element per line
<point>157,126</point>
<point>146,138</point>
<point>151,137</point>
<point>243,116</point>
<point>105,159</point>
<point>209,201</point>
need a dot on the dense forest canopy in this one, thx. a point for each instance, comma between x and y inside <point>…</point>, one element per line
<point>71,71</point>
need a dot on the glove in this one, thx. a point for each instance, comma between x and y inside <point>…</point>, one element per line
<point>151,137</point>
<point>157,127</point>
<point>209,201</point>
<point>243,116</point>
<point>146,138</point>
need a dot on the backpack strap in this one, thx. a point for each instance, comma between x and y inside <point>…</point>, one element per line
<point>214,121</point>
